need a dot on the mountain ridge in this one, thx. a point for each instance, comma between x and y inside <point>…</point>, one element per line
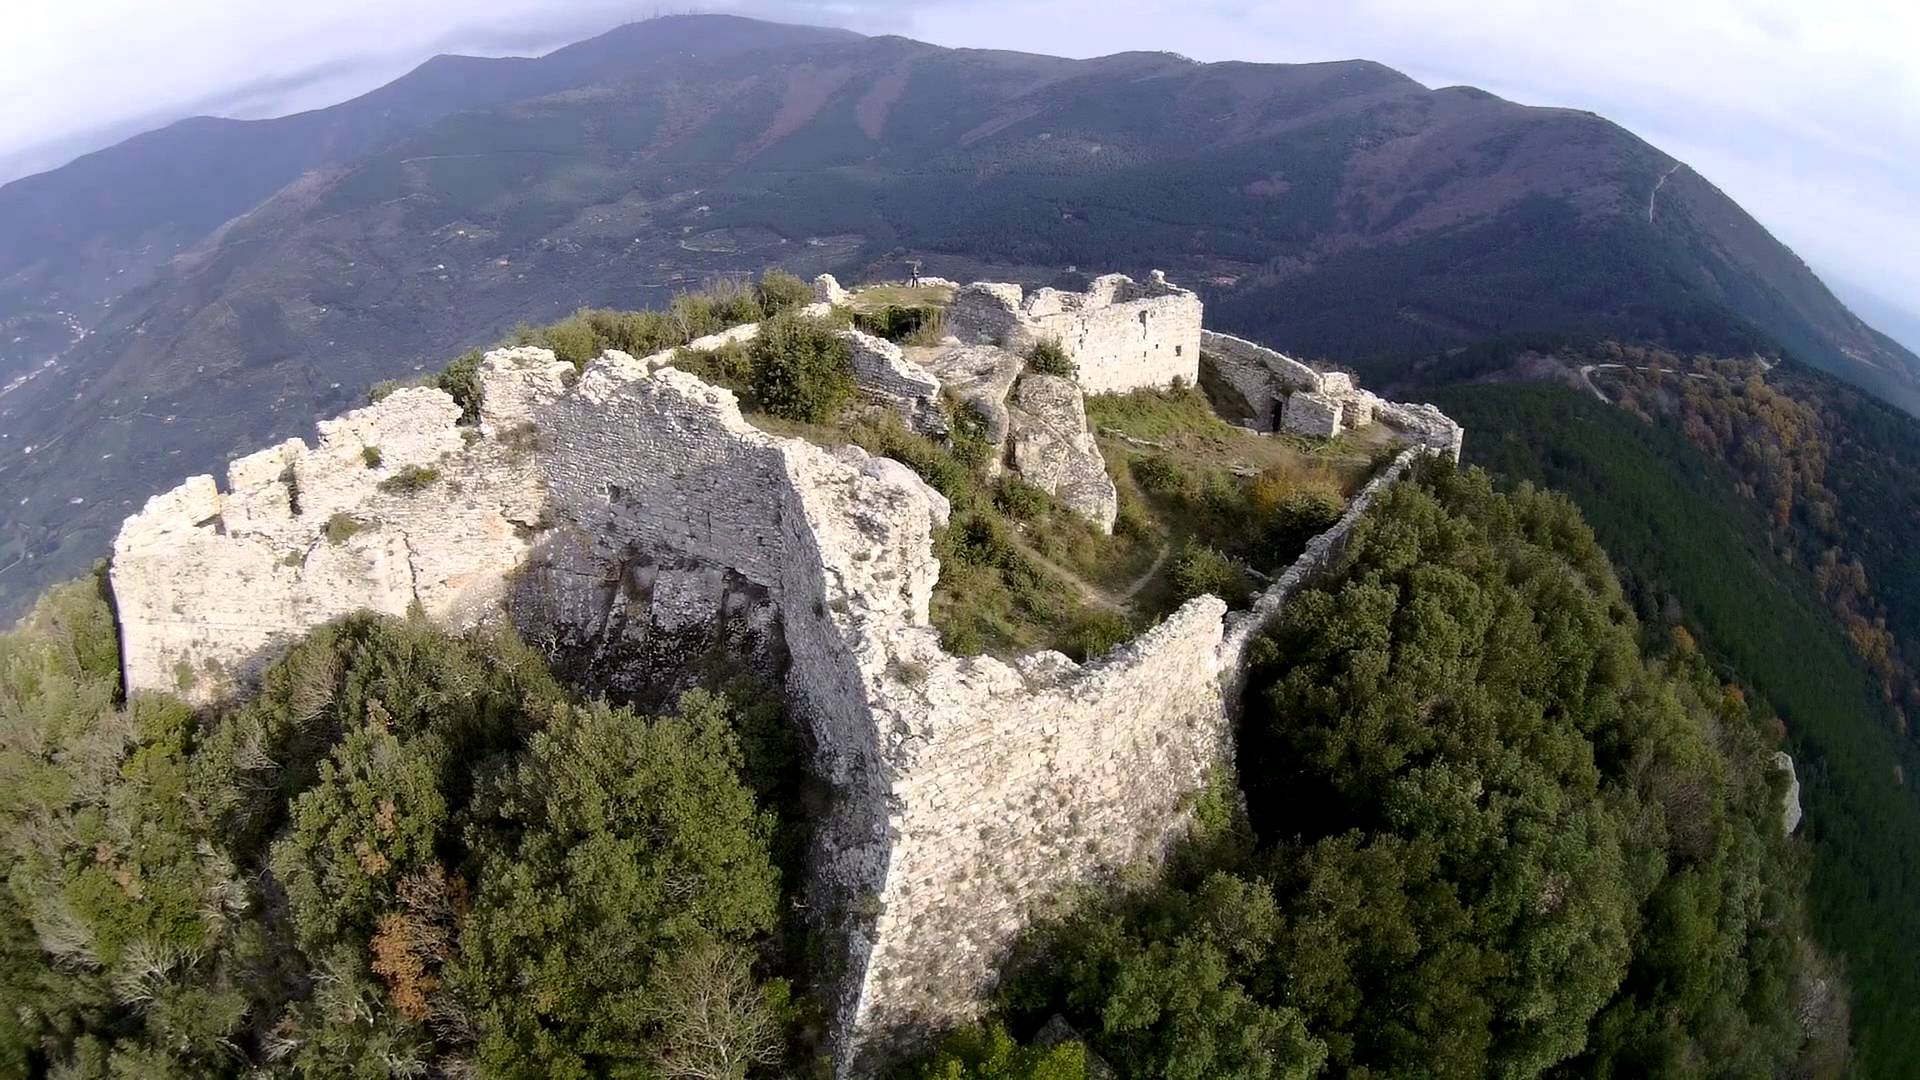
<point>1338,209</point>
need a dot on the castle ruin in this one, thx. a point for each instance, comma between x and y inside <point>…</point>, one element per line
<point>967,791</point>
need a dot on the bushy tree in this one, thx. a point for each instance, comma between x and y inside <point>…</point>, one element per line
<point>801,369</point>
<point>780,291</point>
<point>355,873</point>
<point>987,1052</point>
<point>615,843</point>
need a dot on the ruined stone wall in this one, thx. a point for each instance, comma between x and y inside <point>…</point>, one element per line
<point>1123,335</point>
<point>1010,783</point>
<point>211,585</point>
<point>1263,376</point>
<point>883,374</point>
<point>611,514</point>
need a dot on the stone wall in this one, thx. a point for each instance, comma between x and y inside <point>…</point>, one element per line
<point>1123,335</point>
<point>885,375</point>
<point>1287,395</point>
<point>1261,375</point>
<point>630,516</point>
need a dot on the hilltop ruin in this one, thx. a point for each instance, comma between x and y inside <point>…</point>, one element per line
<point>628,515</point>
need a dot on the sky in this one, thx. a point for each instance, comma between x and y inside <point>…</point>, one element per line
<point>1807,114</point>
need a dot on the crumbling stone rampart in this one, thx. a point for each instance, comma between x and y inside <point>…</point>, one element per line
<point>1124,335</point>
<point>1289,396</point>
<point>630,517</point>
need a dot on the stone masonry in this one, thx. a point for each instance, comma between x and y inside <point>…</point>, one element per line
<point>1123,334</point>
<point>612,513</point>
<point>1286,395</point>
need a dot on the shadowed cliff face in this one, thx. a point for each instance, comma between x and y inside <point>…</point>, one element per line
<point>1337,210</point>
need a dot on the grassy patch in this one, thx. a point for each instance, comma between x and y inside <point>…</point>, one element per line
<point>370,455</point>
<point>410,480</point>
<point>876,297</point>
<point>341,527</point>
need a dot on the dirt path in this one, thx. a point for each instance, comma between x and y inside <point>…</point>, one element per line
<point>1587,370</point>
<point>1140,582</point>
<point>1655,193</point>
<point>1092,593</point>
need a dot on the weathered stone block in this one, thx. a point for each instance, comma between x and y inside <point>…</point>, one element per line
<point>1054,451</point>
<point>1313,415</point>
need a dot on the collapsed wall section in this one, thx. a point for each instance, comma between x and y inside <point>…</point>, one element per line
<point>392,509</point>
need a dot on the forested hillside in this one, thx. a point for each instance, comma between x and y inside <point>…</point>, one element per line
<point>1694,552</point>
<point>1836,472</point>
<point>1486,836</point>
<point>1485,833</point>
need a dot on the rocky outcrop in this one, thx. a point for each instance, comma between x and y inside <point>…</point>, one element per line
<point>1054,451</point>
<point>979,378</point>
<point>827,290</point>
<point>1790,801</point>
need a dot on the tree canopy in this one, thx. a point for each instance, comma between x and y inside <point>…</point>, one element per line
<point>1483,835</point>
<point>409,853</point>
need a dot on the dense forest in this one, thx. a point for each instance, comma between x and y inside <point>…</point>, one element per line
<point>1483,835</point>
<point>1836,471</point>
<point>1482,832</point>
<point>409,855</point>
<point>1696,552</point>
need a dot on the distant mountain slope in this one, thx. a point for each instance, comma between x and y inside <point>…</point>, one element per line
<point>69,231</point>
<point>1339,209</point>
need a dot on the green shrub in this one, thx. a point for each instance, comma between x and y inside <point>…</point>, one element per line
<point>780,291</point>
<point>461,381</point>
<point>370,455</point>
<point>341,527</point>
<point>731,365</point>
<point>1199,569</point>
<point>1096,634</point>
<point>801,370</point>
<point>383,390</point>
<point>1020,500</point>
<point>734,302</point>
<point>1049,357</point>
<point>573,339</point>
<point>908,323</point>
<point>1301,516</point>
<point>409,480</point>
<point>693,316</point>
<point>1158,474</point>
<point>967,433</point>
<point>989,1053</point>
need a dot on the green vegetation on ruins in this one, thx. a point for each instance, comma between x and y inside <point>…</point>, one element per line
<point>1204,506</point>
<point>1484,835</point>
